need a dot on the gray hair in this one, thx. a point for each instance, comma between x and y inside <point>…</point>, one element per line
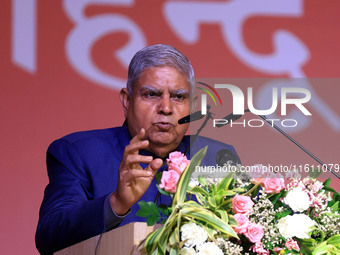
<point>157,56</point>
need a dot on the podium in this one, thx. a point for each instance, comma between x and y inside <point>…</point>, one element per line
<point>120,241</point>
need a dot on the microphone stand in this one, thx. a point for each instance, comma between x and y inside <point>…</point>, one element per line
<point>208,116</point>
<point>299,145</point>
<point>236,117</point>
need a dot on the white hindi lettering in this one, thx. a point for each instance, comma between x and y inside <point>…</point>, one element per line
<point>287,59</point>
<point>24,34</point>
<point>88,30</point>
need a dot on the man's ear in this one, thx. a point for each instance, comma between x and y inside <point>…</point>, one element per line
<point>125,100</point>
<point>193,104</point>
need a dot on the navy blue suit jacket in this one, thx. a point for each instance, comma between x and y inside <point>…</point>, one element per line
<point>83,171</point>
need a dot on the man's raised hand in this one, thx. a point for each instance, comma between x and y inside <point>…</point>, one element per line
<point>133,179</point>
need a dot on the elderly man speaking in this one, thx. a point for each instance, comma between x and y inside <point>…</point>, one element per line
<point>97,177</point>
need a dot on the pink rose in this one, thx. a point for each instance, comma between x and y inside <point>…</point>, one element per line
<point>259,249</point>
<point>274,185</point>
<point>243,223</point>
<point>242,204</point>
<point>292,244</point>
<point>277,250</point>
<point>177,161</point>
<point>254,232</point>
<point>169,181</point>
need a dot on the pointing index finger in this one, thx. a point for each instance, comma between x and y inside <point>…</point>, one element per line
<point>139,137</point>
<point>137,142</point>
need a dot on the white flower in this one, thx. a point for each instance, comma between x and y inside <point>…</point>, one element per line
<point>187,251</point>
<point>194,182</point>
<point>298,200</point>
<point>209,248</point>
<point>298,225</point>
<point>193,234</point>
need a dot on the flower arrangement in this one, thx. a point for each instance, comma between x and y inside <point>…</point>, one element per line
<point>241,215</point>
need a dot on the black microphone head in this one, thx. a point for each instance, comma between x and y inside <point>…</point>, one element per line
<point>226,156</point>
<point>184,120</point>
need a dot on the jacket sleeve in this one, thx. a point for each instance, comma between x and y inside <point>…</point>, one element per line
<point>69,213</point>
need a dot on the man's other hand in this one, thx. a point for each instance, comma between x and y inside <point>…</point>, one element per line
<point>133,179</point>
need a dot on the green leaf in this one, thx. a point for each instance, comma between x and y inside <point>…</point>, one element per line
<point>282,214</point>
<point>152,240</point>
<point>225,193</point>
<point>152,220</point>
<point>150,211</point>
<point>334,240</point>
<point>231,220</point>
<point>303,250</point>
<point>221,194</point>
<point>146,208</point>
<point>275,198</point>
<point>225,183</point>
<point>201,199</point>
<point>330,189</point>
<point>173,251</point>
<point>320,249</point>
<point>210,218</point>
<point>160,236</point>
<point>183,182</point>
<point>213,189</point>
<point>174,238</point>
<point>327,182</point>
<point>335,207</point>
<point>223,215</point>
<point>306,245</point>
<point>164,209</point>
<point>212,202</point>
<point>202,180</point>
<point>336,198</point>
<point>155,252</point>
<point>158,177</point>
<point>161,245</point>
<point>198,190</point>
<point>210,231</point>
<point>332,250</point>
<point>192,204</point>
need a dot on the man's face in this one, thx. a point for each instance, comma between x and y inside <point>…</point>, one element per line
<point>161,96</point>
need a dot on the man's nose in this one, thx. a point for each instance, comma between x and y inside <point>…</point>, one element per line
<point>165,105</point>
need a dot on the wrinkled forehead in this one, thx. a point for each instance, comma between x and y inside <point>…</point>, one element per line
<point>162,79</point>
<point>164,89</point>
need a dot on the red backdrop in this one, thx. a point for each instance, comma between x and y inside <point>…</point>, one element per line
<point>63,62</point>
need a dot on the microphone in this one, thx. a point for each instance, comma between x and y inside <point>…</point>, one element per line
<point>226,156</point>
<point>192,117</point>
<point>235,117</point>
